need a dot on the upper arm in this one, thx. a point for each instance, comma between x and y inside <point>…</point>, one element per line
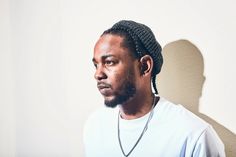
<point>209,145</point>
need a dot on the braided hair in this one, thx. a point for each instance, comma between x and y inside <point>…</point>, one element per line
<point>139,38</point>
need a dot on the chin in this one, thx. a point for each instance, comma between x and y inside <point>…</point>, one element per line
<point>121,97</point>
<point>117,100</point>
<point>110,102</point>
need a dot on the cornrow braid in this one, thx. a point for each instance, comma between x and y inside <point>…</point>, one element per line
<point>140,39</point>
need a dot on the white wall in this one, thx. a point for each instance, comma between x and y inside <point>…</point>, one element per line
<point>46,75</point>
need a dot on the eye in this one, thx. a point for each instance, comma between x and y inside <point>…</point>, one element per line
<point>109,63</point>
<point>95,65</point>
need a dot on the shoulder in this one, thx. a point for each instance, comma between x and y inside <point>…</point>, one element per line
<point>99,118</point>
<point>209,144</point>
<point>100,115</point>
<point>96,128</point>
<point>177,115</point>
<point>198,135</point>
<point>102,112</point>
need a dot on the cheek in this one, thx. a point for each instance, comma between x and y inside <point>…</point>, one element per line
<point>117,78</point>
<point>121,78</point>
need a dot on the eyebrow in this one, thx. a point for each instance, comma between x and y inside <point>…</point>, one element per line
<point>104,57</point>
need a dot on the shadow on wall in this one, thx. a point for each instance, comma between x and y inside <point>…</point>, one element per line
<point>181,81</point>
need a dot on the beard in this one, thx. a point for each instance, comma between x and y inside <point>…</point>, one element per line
<point>126,92</point>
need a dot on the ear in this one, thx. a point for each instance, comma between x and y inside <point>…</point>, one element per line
<point>146,65</point>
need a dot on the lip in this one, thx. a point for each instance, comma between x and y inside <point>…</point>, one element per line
<point>104,88</point>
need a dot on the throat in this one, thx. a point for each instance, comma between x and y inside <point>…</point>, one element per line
<point>126,154</point>
<point>133,111</point>
<point>128,115</point>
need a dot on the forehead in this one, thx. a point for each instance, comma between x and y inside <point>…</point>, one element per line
<point>110,45</point>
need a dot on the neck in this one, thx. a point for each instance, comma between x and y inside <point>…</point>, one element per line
<point>137,106</point>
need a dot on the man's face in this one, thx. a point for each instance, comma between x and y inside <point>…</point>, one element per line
<point>115,70</point>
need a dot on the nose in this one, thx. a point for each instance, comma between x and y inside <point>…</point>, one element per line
<point>100,74</point>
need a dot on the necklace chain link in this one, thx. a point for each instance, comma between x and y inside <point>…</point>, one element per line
<point>142,133</point>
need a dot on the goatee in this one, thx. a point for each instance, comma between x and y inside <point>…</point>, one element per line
<point>127,92</point>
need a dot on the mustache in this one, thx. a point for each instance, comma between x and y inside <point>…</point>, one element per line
<point>103,85</point>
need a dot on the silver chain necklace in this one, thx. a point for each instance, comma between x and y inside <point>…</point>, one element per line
<point>142,133</point>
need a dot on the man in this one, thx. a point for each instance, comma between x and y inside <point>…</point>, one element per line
<point>136,121</point>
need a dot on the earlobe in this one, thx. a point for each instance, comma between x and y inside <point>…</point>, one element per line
<point>146,65</point>
<point>144,68</point>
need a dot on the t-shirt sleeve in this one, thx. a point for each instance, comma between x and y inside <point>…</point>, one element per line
<point>209,145</point>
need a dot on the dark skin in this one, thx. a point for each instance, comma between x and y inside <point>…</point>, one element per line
<point>115,67</point>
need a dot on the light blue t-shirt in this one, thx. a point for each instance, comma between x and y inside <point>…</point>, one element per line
<point>173,131</point>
